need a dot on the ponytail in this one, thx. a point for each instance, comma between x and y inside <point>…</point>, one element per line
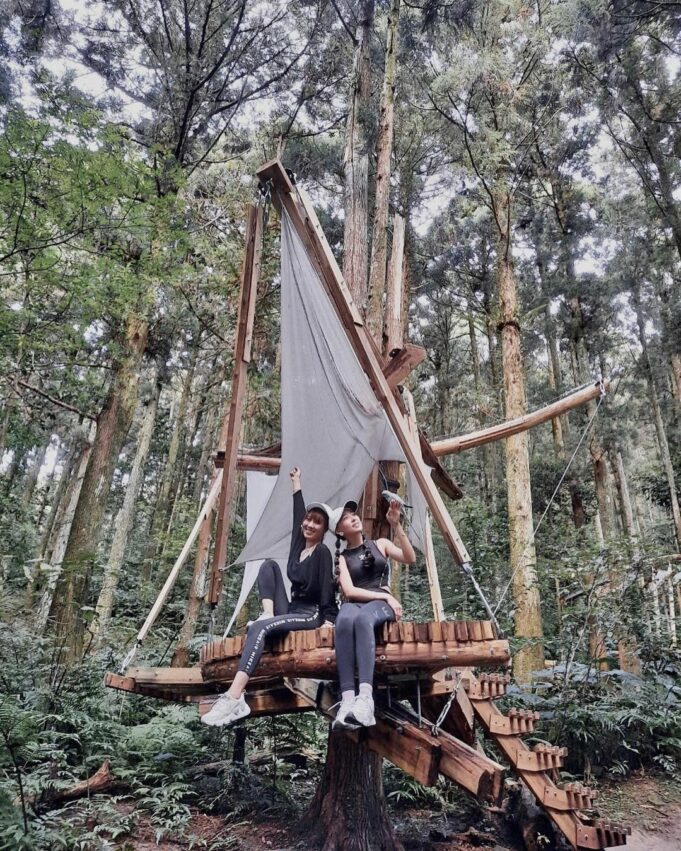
<point>336,561</point>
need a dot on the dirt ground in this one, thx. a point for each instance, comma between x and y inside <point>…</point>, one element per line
<point>651,805</point>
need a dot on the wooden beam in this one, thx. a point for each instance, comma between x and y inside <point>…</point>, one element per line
<point>206,511</point>
<point>451,445</point>
<point>390,659</point>
<point>306,224</point>
<point>258,463</point>
<point>231,429</point>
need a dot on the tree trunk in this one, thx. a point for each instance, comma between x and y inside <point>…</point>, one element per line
<point>488,482</point>
<point>31,478</point>
<point>55,544</point>
<point>112,427</point>
<point>348,811</point>
<point>356,162</point>
<point>660,429</point>
<point>384,147</point>
<point>528,624</point>
<point>124,520</point>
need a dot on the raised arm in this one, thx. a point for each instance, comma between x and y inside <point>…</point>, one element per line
<point>364,595</point>
<point>297,539</point>
<point>400,548</point>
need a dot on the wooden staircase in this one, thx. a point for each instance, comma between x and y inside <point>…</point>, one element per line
<point>568,805</point>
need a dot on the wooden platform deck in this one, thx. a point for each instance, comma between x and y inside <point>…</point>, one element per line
<point>427,665</point>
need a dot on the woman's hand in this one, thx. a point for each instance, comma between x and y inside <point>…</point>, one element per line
<point>395,605</point>
<point>393,515</point>
<point>295,474</point>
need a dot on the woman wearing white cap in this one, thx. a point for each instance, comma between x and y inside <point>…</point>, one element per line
<point>363,571</point>
<point>313,599</point>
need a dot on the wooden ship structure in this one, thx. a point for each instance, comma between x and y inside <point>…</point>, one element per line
<point>436,683</point>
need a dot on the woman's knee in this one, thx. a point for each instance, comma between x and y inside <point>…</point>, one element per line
<point>346,620</point>
<point>267,568</point>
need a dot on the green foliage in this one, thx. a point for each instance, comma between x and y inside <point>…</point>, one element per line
<point>611,722</point>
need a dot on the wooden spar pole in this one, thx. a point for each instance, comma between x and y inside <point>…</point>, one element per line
<point>309,230</point>
<point>452,445</point>
<point>429,551</point>
<point>503,430</point>
<point>250,274</point>
<point>205,512</point>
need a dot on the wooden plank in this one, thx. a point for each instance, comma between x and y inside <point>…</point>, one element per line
<point>421,632</point>
<point>305,222</point>
<point>435,631</point>
<point>231,427</point>
<point>503,430</point>
<point>402,363</point>
<point>179,676</point>
<point>474,630</point>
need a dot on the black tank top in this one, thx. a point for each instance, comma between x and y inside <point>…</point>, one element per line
<point>365,572</point>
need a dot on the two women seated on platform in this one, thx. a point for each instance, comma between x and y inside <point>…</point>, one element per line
<point>313,599</point>
<point>363,572</point>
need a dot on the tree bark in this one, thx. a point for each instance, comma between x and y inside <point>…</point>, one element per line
<point>124,520</point>
<point>523,561</point>
<point>356,162</point>
<point>348,811</point>
<point>384,147</point>
<point>660,429</point>
<point>113,423</point>
<point>55,544</point>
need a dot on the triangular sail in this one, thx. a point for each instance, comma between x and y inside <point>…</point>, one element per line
<point>333,426</point>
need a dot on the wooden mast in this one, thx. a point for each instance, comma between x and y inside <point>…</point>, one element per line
<point>250,274</point>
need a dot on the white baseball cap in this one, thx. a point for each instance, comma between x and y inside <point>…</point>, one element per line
<point>320,506</point>
<point>337,513</point>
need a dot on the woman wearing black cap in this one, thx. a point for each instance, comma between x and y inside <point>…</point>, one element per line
<point>313,599</point>
<point>364,574</point>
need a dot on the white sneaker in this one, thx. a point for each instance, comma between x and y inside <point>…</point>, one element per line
<point>362,711</point>
<point>340,722</point>
<point>263,616</point>
<point>226,710</point>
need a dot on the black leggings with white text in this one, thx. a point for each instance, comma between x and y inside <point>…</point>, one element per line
<point>288,617</point>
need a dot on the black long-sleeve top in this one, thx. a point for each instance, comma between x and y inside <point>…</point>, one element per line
<point>311,579</point>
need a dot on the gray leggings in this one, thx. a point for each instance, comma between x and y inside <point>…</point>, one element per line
<point>356,640</point>
<point>288,617</point>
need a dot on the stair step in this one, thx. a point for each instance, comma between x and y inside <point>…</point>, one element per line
<point>602,834</point>
<point>517,722</point>
<point>487,686</point>
<point>540,758</point>
<point>571,796</point>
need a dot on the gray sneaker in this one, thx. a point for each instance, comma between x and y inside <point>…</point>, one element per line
<point>362,711</point>
<point>226,710</point>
